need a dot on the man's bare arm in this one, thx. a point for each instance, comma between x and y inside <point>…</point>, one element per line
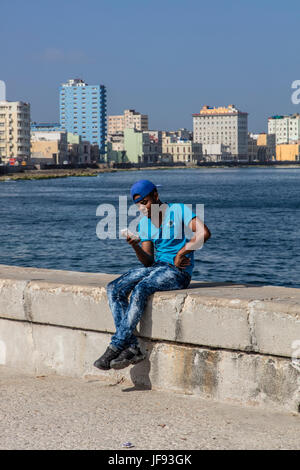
<point>202,234</point>
<point>144,253</point>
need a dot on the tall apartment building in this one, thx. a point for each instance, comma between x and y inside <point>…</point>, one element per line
<point>222,125</point>
<point>131,119</point>
<point>83,111</point>
<point>285,128</point>
<point>14,131</point>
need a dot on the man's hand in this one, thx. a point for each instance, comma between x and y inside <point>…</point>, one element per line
<point>133,241</point>
<point>181,261</point>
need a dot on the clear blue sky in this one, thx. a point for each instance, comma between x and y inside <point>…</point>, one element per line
<point>165,58</point>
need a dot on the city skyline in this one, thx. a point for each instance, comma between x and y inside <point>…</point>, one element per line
<point>164,59</point>
<point>44,121</point>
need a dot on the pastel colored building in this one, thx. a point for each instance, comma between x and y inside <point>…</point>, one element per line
<point>185,151</point>
<point>79,151</point>
<point>130,119</point>
<point>261,147</point>
<point>288,152</point>
<point>83,111</point>
<point>139,146</point>
<point>223,125</point>
<point>14,131</point>
<point>49,147</point>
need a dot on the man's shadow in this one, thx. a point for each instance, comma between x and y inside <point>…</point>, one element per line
<point>140,373</point>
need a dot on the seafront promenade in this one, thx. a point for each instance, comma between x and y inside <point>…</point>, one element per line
<point>219,372</point>
<point>232,343</point>
<point>56,412</point>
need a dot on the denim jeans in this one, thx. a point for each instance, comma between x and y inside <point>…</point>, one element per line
<point>142,282</point>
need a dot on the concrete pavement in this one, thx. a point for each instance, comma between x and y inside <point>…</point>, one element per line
<point>55,412</point>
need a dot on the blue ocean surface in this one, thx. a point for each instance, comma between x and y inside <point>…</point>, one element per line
<point>253,215</point>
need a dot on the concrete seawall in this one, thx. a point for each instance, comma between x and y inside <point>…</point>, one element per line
<point>227,342</point>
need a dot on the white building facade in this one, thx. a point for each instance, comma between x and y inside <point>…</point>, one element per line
<point>285,128</point>
<point>227,126</point>
<point>216,153</point>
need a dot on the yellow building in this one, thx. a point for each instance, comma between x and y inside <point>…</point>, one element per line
<point>45,151</point>
<point>181,150</point>
<point>288,152</point>
<point>49,147</point>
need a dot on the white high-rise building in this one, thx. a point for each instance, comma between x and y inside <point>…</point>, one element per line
<point>285,128</point>
<point>14,131</point>
<point>222,125</point>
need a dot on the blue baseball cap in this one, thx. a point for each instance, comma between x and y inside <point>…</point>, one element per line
<point>143,188</point>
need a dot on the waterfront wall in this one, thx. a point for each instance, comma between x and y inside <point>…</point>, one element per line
<point>222,341</point>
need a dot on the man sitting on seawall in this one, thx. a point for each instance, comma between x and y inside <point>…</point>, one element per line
<point>168,259</point>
